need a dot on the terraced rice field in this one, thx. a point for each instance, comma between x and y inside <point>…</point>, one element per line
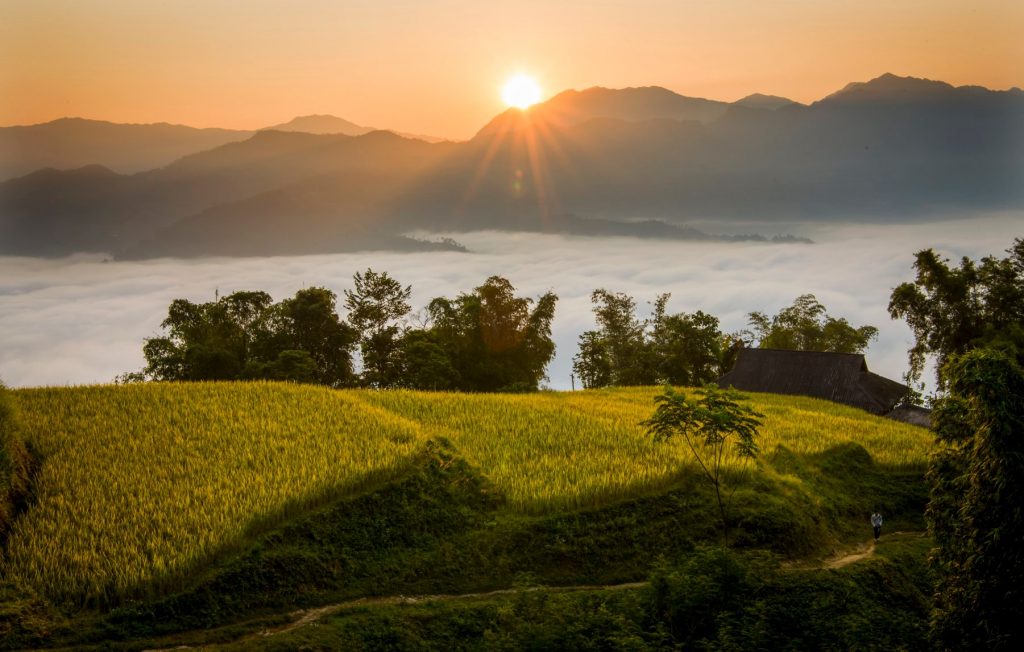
<point>142,484</point>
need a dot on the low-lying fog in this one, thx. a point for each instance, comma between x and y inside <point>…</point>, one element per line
<point>80,320</point>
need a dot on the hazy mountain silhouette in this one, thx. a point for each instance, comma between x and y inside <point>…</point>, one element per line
<point>762,101</point>
<point>892,89</point>
<point>52,212</point>
<point>329,124</point>
<point>630,104</point>
<point>70,143</point>
<point>632,162</point>
<point>321,124</point>
<point>844,157</point>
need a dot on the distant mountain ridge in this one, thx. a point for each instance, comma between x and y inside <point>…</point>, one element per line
<point>321,124</point>
<point>330,124</point>
<point>638,161</point>
<point>762,101</point>
<point>895,89</point>
<point>71,143</point>
<point>573,107</point>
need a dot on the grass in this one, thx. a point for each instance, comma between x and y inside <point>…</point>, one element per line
<point>143,486</point>
<point>571,450</point>
<point>15,464</point>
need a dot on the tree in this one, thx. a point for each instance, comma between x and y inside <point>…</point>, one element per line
<point>593,362</point>
<point>376,306</point>
<point>246,336</point>
<point>679,349</point>
<point>974,512</point>
<point>424,363</point>
<point>806,326</point>
<point>289,365</point>
<point>969,318</point>
<point>309,322</point>
<point>206,341</point>
<point>954,309</point>
<point>622,343</point>
<point>711,425</point>
<point>495,341</point>
<point>687,348</point>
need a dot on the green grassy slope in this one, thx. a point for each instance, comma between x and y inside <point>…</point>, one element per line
<point>164,508</point>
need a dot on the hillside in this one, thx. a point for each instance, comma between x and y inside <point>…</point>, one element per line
<point>892,148</point>
<point>172,507</point>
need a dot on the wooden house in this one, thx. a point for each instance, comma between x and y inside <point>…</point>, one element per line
<point>840,377</point>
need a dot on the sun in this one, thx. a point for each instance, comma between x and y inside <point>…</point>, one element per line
<point>521,91</point>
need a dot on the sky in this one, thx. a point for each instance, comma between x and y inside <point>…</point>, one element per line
<point>437,67</point>
<point>81,320</point>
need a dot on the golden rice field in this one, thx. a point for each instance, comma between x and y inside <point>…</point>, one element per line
<point>556,450</point>
<point>143,483</point>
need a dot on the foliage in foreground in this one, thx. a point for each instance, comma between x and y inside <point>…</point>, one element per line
<point>952,310</point>
<point>977,489</point>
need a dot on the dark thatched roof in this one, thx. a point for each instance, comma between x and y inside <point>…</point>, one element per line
<point>840,377</point>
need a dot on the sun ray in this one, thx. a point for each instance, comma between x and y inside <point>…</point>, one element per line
<point>537,141</point>
<point>484,165</point>
<point>535,153</point>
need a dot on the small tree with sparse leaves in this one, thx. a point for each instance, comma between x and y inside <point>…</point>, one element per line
<point>711,424</point>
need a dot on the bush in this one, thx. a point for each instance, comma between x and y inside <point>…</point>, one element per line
<point>721,600</point>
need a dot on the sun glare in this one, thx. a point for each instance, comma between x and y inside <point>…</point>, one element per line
<point>521,91</point>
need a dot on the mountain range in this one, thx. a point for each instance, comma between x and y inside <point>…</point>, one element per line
<point>69,143</point>
<point>635,161</point>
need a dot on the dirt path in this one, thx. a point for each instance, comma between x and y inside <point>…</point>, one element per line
<point>304,617</point>
<point>843,558</point>
<point>863,551</point>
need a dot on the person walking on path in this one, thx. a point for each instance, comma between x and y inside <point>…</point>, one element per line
<point>876,524</point>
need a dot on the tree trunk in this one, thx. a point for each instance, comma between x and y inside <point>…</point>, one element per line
<point>721,511</point>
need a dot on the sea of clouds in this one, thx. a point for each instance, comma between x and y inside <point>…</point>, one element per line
<point>81,320</point>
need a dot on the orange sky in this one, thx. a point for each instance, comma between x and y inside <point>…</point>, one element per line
<point>436,67</point>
